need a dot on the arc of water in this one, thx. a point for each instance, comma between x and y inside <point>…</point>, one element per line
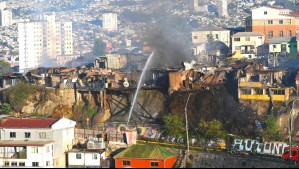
<point>139,84</point>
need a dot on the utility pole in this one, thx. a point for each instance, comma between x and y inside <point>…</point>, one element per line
<point>290,129</point>
<point>187,123</point>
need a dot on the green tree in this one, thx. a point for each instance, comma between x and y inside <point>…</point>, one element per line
<point>18,94</point>
<point>211,131</point>
<point>174,125</point>
<point>271,131</point>
<point>4,67</point>
<point>5,108</point>
<point>99,47</point>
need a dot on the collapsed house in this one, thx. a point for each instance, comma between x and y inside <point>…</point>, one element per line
<point>195,78</point>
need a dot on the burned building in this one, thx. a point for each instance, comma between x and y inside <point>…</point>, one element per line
<point>262,83</point>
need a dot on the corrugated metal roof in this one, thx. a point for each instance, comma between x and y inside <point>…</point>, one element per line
<point>210,29</point>
<point>242,34</point>
<point>140,151</point>
<point>27,123</point>
<point>278,40</point>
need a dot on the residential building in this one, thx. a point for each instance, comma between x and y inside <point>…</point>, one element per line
<point>201,35</point>
<point>247,43</point>
<point>283,46</point>
<point>5,17</point>
<point>145,156</point>
<point>265,84</point>
<point>35,142</point>
<point>44,42</point>
<point>273,22</point>
<point>110,21</point>
<point>78,158</point>
<point>222,8</point>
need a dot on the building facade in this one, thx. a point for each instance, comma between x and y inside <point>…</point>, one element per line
<point>110,21</point>
<point>5,17</point>
<point>86,158</point>
<point>45,141</point>
<point>273,22</point>
<point>283,46</point>
<point>145,156</point>
<point>222,8</point>
<point>247,43</point>
<point>263,84</point>
<point>44,41</point>
<point>200,35</point>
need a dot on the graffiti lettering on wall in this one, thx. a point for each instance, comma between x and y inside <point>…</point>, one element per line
<point>155,133</point>
<point>269,148</point>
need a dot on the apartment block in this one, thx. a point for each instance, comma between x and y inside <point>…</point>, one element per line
<point>110,21</point>
<point>273,22</point>
<point>44,40</point>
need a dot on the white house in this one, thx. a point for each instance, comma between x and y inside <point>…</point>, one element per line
<point>247,43</point>
<point>35,142</point>
<point>200,35</point>
<point>86,158</point>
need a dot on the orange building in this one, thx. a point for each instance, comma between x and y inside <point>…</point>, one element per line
<point>145,156</point>
<point>273,22</point>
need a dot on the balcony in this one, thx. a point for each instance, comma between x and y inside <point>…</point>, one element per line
<point>19,155</point>
<point>250,84</point>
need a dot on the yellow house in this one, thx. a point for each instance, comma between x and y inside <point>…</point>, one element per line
<point>263,85</point>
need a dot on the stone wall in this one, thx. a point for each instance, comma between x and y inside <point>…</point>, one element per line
<point>224,160</point>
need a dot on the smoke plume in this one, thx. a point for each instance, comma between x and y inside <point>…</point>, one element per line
<point>169,37</point>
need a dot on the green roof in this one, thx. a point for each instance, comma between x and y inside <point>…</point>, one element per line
<point>142,151</point>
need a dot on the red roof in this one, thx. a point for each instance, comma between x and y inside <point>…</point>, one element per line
<point>27,123</point>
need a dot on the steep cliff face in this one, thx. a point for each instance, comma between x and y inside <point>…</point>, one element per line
<point>214,103</point>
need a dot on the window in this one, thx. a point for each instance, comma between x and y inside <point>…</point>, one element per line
<point>247,39</point>
<point>246,91</point>
<point>12,134</point>
<point>34,149</point>
<point>27,135</point>
<point>195,37</point>
<point>289,33</point>
<point>78,156</point>
<point>35,164</point>
<point>265,12</point>
<point>237,39</point>
<point>280,21</point>
<point>237,47</point>
<point>154,164</point>
<point>281,33</point>
<point>270,22</point>
<point>47,163</point>
<point>126,163</point>
<point>216,36</point>
<point>259,91</point>
<point>21,163</point>
<point>6,163</point>
<point>94,156</point>
<point>270,34</point>
<point>14,164</point>
<point>42,135</point>
<point>274,46</point>
<point>278,92</point>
